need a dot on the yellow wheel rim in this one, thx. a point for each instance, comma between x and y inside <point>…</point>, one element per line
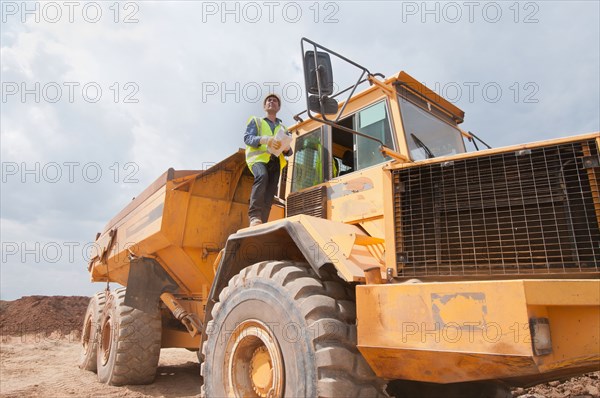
<point>105,341</point>
<point>253,362</point>
<point>87,335</point>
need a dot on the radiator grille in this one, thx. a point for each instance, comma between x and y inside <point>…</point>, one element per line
<point>311,202</point>
<point>526,212</point>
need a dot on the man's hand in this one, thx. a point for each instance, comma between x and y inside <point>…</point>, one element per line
<point>275,144</point>
<point>271,142</point>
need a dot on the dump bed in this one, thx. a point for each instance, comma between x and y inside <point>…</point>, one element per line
<point>182,220</point>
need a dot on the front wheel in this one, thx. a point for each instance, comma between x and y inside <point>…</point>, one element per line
<point>280,330</point>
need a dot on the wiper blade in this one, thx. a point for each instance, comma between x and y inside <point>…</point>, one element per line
<point>422,145</point>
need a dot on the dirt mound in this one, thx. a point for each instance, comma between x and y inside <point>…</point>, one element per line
<point>42,314</point>
<point>585,386</point>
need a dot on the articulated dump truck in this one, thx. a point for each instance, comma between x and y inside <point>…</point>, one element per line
<point>395,262</point>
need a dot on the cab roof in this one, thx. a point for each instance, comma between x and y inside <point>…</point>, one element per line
<point>408,82</point>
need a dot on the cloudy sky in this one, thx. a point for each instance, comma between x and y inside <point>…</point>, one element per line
<point>99,98</point>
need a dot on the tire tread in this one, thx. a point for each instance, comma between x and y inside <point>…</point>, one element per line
<point>329,310</point>
<point>138,345</point>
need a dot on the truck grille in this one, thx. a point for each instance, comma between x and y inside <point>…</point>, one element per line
<point>527,212</point>
<point>311,202</point>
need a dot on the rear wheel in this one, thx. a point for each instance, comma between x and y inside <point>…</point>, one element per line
<point>281,330</point>
<point>129,343</point>
<point>89,335</point>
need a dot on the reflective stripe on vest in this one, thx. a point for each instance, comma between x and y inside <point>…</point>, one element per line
<point>261,154</point>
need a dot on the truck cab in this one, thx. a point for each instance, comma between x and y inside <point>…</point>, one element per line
<point>400,113</point>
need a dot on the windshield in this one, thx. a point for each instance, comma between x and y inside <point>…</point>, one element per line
<point>426,135</point>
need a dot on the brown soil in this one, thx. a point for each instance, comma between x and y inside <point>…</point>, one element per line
<point>42,314</point>
<point>583,386</point>
<point>46,366</point>
<point>39,352</point>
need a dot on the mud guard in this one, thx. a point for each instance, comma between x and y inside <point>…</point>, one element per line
<point>146,282</point>
<point>317,241</point>
<point>274,241</point>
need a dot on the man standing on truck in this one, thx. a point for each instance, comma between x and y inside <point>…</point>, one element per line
<point>266,167</point>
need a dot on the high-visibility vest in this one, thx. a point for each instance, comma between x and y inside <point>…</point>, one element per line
<point>261,154</point>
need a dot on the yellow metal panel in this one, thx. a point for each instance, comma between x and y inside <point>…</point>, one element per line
<point>357,196</point>
<point>575,336</point>
<point>390,224</point>
<point>461,331</point>
<point>175,215</point>
<point>562,292</point>
<point>277,213</point>
<point>329,236</point>
<point>453,316</point>
<point>179,339</point>
<point>205,215</point>
<point>142,222</point>
<point>184,270</point>
<point>447,367</point>
<point>139,231</point>
<point>375,226</point>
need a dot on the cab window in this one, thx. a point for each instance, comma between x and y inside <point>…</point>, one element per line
<point>374,122</point>
<point>308,161</point>
<point>352,152</point>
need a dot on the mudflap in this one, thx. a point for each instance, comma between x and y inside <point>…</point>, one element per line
<point>146,282</point>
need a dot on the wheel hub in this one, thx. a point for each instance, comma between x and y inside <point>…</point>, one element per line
<point>261,371</point>
<point>87,334</point>
<point>253,362</point>
<point>106,340</point>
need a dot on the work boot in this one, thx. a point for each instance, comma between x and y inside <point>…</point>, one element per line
<point>255,221</point>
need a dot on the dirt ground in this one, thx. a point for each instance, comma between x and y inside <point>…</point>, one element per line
<point>33,366</point>
<point>35,362</point>
<point>39,353</point>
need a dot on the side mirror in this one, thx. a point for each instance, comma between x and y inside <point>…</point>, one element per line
<point>319,74</point>
<point>330,106</point>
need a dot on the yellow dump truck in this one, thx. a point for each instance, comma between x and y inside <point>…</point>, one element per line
<point>395,262</point>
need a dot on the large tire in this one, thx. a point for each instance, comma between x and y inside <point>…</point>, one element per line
<point>281,330</point>
<point>90,333</point>
<point>129,343</point>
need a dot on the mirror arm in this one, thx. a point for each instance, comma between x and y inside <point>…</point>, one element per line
<point>393,154</point>
<point>374,81</point>
<point>341,112</point>
<point>382,148</point>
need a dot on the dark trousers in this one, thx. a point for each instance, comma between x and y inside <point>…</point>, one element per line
<point>266,178</point>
